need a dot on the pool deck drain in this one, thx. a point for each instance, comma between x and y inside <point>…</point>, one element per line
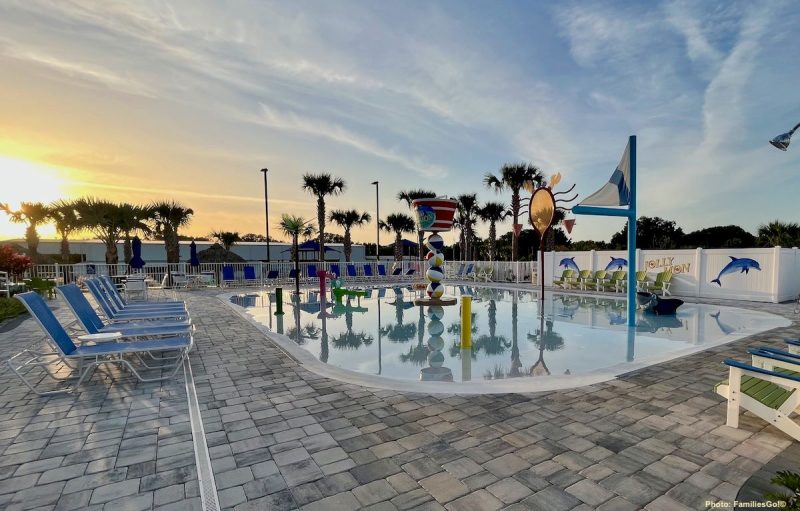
<point>205,474</point>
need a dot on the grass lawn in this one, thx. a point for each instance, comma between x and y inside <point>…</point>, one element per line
<point>10,307</point>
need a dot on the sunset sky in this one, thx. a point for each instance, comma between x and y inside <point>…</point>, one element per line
<point>140,101</point>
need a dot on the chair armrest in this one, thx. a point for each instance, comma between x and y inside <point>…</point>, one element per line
<point>753,369</point>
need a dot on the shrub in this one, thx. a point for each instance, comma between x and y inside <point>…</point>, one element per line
<point>13,262</point>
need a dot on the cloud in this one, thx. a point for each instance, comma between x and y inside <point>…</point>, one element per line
<point>290,121</point>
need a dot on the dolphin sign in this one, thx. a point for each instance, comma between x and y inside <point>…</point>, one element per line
<point>616,262</point>
<point>569,263</point>
<point>741,265</point>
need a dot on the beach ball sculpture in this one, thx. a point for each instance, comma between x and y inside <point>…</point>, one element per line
<point>434,216</point>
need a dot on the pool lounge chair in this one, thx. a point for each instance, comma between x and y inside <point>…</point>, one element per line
<point>565,281</point>
<point>105,284</point>
<point>617,281</point>
<point>485,274</point>
<point>368,275</point>
<point>410,274</point>
<point>311,275</point>
<point>457,274</point>
<point>92,324</point>
<point>227,276</point>
<point>397,273</point>
<point>769,388</point>
<point>662,283</point>
<point>131,312</point>
<point>250,278</point>
<point>334,268</point>
<point>597,281</point>
<point>117,304</point>
<point>352,272</point>
<point>382,272</point>
<point>88,357</point>
<point>583,278</point>
<point>641,281</point>
<point>271,278</point>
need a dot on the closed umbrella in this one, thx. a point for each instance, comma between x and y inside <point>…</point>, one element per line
<point>193,260</point>
<point>137,262</point>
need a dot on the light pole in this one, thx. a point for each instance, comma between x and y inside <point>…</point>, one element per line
<point>266,209</point>
<point>378,223</point>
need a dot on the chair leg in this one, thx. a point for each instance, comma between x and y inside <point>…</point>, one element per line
<point>734,397</point>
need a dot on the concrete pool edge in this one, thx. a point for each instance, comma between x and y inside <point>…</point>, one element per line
<point>517,385</point>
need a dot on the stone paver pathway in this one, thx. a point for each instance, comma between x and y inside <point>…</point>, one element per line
<point>281,437</point>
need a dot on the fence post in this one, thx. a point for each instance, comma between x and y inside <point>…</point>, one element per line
<point>592,261</point>
<point>776,274</point>
<point>699,270</point>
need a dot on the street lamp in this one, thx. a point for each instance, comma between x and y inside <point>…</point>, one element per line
<point>782,141</point>
<point>266,209</point>
<point>378,223</point>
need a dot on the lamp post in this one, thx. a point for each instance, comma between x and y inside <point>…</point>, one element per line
<point>378,223</point>
<point>782,141</point>
<point>266,209</point>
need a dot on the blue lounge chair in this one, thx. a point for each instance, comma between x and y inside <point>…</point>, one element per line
<point>89,356</point>
<point>336,270</point>
<point>409,274</point>
<point>397,273</point>
<point>382,271</point>
<point>92,323</point>
<point>469,273</point>
<point>250,276</point>
<point>292,275</point>
<point>108,291</point>
<point>272,277</point>
<point>459,273</point>
<point>228,276</point>
<point>312,272</point>
<point>133,314</point>
<point>368,275</point>
<point>352,274</point>
<point>118,302</point>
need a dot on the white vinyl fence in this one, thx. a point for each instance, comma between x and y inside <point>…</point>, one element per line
<point>776,280</point>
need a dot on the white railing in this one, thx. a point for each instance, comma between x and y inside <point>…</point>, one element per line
<point>265,273</point>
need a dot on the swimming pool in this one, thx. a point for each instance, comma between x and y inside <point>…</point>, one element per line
<point>579,339</point>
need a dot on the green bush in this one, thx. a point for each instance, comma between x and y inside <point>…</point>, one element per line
<point>10,307</point>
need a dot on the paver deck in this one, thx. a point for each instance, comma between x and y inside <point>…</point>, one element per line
<point>281,437</point>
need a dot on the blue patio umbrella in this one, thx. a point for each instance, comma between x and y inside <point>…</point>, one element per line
<point>193,260</point>
<point>137,262</point>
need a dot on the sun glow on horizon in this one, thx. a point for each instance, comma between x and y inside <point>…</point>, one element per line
<point>29,181</point>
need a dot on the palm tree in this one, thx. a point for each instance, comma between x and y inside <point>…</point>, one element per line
<point>777,233</point>
<point>33,214</point>
<point>65,218</point>
<point>468,212</point>
<point>294,226</point>
<point>410,196</point>
<point>227,238</point>
<point>493,212</point>
<point>169,217</point>
<point>347,219</point>
<point>104,220</point>
<point>513,176</point>
<point>321,185</point>
<point>134,218</point>
<point>398,223</point>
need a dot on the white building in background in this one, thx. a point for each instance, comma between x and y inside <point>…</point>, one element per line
<point>94,251</point>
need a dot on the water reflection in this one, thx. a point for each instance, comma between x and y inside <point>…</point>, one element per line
<point>510,335</point>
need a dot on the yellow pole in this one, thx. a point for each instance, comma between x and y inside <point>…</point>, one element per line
<point>466,321</point>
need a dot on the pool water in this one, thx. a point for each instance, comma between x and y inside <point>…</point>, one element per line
<point>385,334</point>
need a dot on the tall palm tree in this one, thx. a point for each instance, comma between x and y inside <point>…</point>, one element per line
<point>104,220</point>
<point>468,214</point>
<point>134,218</point>
<point>294,226</point>
<point>171,216</point>
<point>348,219</point>
<point>398,223</point>
<point>777,233</point>
<point>63,214</point>
<point>410,196</point>
<point>493,212</point>
<point>33,214</point>
<point>227,238</point>
<point>513,177</point>
<point>320,185</point>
